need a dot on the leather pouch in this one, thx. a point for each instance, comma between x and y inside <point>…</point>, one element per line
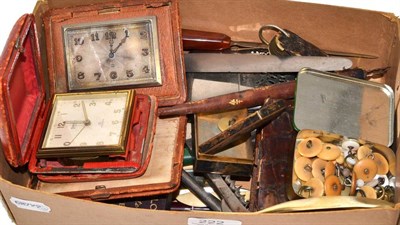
<point>271,181</point>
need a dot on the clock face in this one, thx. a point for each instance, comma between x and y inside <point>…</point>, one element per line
<point>112,54</point>
<point>87,124</point>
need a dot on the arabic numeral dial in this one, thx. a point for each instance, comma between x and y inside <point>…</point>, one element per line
<point>81,75</point>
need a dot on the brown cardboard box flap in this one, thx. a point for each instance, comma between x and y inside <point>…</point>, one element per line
<point>65,210</point>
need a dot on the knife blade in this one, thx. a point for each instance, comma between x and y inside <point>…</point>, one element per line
<point>252,63</point>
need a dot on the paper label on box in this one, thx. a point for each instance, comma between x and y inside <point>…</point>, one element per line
<point>205,221</point>
<point>30,205</point>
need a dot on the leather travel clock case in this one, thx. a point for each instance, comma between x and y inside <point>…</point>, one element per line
<point>25,112</point>
<point>132,163</point>
<point>172,89</point>
<point>22,92</point>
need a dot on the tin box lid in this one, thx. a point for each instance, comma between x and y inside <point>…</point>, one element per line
<point>344,105</point>
<point>21,92</point>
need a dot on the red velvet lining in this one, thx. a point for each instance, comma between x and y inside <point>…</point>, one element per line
<point>24,93</point>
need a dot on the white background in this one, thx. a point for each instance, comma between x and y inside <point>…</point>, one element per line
<point>11,10</point>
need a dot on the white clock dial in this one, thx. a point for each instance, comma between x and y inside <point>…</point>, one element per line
<point>87,121</point>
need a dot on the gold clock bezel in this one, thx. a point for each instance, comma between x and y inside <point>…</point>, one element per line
<point>88,151</point>
<point>154,79</point>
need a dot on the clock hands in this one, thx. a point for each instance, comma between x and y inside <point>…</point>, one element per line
<point>75,122</point>
<point>119,45</point>
<point>85,122</point>
<point>123,40</point>
<point>111,41</point>
<point>70,142</point>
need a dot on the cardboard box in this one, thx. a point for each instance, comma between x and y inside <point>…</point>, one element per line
<point>331,28</point>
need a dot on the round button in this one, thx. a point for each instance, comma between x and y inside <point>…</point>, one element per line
<point>303,169</point>
<point>329,152</point>
<point>333,187</point>
<point>365,169</point>
<point>310,147</point>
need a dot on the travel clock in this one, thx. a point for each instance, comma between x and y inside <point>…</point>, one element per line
<point>87,124</point>
<point>112,53</point>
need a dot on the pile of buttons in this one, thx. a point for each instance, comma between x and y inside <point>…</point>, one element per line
<point>327,164</point>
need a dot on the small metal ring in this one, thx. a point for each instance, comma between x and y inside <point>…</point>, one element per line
<point>382,191</point>
<point>338,169</point>
<point>347,182</point>
<point>305,188</point>
<point>270,27</point>
<point>362,192</point>
<point>352,156</point>
<point>389,193</point>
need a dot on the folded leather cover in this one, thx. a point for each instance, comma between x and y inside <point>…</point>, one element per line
<point>161,177</point>
<point>22,94</point>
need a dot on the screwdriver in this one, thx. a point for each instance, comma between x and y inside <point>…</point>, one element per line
<point>195,40</point>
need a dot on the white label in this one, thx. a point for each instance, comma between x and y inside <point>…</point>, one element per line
<point>30,205</point>
<point>203,221</point>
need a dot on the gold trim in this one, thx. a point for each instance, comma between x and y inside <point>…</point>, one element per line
<point>77,151</point>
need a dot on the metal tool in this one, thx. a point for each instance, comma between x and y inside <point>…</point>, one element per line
<point>194,40</point>
<point>251,63</point>
<point>229,193</point>
<point>210,200</point>
<point>224,83</point>
<point>213,41</point>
